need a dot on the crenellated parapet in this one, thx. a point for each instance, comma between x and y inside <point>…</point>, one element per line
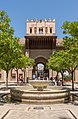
<point>40,27</point>
<point>40,20</point>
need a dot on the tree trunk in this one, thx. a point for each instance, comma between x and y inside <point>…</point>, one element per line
<point>72,81</point>
<point>17,74</point>
<point>7,79</point>
<point>62,79</point>
<point>24,75</point>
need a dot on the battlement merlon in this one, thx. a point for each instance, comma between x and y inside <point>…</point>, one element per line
<point>40,27</point>
<point>36,20</point>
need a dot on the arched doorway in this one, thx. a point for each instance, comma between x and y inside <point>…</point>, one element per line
<point>40,70</point>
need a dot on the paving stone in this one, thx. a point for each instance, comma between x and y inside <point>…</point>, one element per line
<point>24,111</point>
<point>39,114</point>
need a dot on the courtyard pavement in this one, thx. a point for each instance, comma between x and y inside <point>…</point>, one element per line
<point>30,111</point>
<point>27,111</point>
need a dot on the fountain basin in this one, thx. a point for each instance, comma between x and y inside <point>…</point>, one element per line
<point>46,96</point>
<point>40,85</point>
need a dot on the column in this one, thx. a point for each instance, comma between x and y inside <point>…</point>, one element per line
<point>37,30</point>
<point>4,75</point>
<point>50,73</point>
<point>76,75</point>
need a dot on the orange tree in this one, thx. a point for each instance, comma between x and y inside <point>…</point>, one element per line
<point>70,43</point>
<point>22,63</point>
<point>10,49</point>
<point>58,62</point>
<point>11,55</point>
<point>68,60</point>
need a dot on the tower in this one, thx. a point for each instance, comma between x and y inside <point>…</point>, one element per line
<point>40,42</point>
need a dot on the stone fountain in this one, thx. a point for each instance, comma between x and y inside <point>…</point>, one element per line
<point>39,92</point>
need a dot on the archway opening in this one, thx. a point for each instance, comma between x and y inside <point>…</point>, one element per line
<point>40,71</point>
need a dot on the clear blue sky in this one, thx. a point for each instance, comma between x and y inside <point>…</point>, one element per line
<point>20,10</point>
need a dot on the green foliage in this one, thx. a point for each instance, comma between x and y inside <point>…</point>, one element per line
<point>71,45</point>
<point>11,55</point>
<point>9,52</point>
<point>67,77</point>
<point>57,61</point>
<point>23,62</point>
<point>5,23</point>
<point>69,42</point>
<point>67,59</point>
<point>70,28</point>
<point>31,62</point>
<point>71,31</point>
